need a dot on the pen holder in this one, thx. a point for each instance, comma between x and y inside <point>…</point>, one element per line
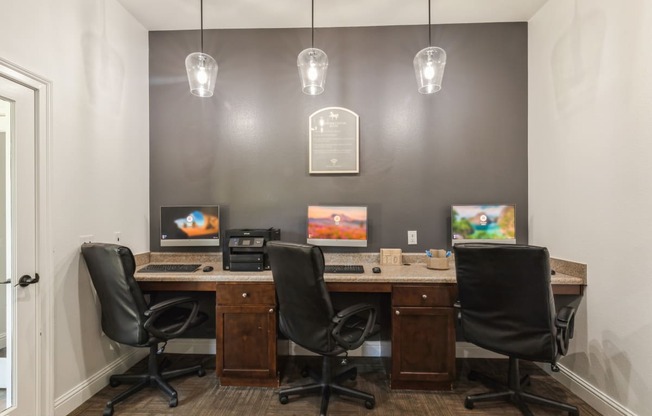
<point>438,261</point>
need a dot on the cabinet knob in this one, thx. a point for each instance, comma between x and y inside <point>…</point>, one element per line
<point>244,295</point>
<point>424,296</point>
<point>398,312</point>
<point>271,310</point>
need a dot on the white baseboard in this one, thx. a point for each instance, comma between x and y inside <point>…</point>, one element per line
<point>589,393</point>
<point>287,347</point>
<point>76,396</point>
<point>191,346</point>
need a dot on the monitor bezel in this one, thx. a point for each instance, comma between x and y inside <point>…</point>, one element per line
<point>472,240</point>
<point>339,242</point>
<point>190,242</point>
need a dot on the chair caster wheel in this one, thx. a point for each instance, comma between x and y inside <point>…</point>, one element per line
<point>108,411</point>
<point>283,399</point>
<point>201,372</point>
<point>472,376</point>
<point>114,383</point>
<point>174,402</point>
<point>369,404</point>
<point>468,404</point>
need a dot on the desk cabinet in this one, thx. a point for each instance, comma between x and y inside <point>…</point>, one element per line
<point>423,337</point>
<point>246,334</point>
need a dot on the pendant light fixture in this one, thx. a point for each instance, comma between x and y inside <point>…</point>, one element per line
<point>429,65</point>
<point>201,67</point>
<point>312,63</point>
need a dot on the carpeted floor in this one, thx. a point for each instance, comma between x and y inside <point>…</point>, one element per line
<point>205,397</point>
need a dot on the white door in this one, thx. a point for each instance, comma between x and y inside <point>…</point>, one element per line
<point>18,255</point>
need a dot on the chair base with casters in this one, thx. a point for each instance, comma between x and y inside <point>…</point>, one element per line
<point>514,392</point>
<point>153,378</point>
<point>327,384</point>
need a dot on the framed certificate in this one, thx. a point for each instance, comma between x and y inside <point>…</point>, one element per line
<point>334,141</point>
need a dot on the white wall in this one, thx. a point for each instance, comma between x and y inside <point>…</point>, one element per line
<point>96,54</point>
<point>590,176</point>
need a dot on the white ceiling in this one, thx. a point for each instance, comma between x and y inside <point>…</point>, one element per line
<point>247,14</point>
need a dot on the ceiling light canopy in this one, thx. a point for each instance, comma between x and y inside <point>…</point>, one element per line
<point>201,67</point>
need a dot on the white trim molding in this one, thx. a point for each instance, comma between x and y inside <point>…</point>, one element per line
<point>44,318</point>
<point>83,391</point>
<point>594,397</point>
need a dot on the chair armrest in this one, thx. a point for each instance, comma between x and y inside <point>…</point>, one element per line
<point>154,312</point>
<point>565,323</point>
<point>344,316</point>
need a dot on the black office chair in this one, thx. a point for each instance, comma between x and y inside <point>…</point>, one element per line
<point>127,319</point>
<point>306,317</point>
<point>507,307</point>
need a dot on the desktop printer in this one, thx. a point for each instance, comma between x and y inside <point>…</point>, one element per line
<point>245,250</point>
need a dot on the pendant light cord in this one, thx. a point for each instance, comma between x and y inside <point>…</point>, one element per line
<point>429,35</point>
<point>201,23</point>
<point>313,24</point>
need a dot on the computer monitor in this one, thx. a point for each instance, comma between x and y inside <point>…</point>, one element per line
<point>190,226</point>
<point>483,223</point>
<point>340,226</point>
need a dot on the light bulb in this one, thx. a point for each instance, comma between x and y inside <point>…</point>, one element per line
<point>313,74</point>
<point>429,71</point>
<point>202,76</point>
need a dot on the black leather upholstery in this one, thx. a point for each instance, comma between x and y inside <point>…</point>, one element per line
<point>507,307</point>
<point>127,319</point>
<point>306,316</point>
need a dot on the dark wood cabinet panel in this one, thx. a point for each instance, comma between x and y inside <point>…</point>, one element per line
<point>423,337</point>
<point>246,335</point>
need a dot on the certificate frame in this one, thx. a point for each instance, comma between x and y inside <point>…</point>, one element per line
<point>334,141</point>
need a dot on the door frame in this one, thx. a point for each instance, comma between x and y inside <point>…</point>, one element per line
<point>42,88</point>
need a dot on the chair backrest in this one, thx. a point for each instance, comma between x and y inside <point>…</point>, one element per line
<point>506,299</point>
<point>305,310</point>
<point>112,270</point>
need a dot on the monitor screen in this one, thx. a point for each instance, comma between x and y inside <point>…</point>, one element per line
<point>342,226</point>
<point>190,226</point>
<point>483,223</point>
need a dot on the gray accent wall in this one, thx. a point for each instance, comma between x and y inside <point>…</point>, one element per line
<point>246,148</point>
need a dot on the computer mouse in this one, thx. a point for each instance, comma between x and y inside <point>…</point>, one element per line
<point>208,269</point>
<point>376,270</point>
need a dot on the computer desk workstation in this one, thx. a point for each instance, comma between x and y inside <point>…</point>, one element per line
<point>246,315</point>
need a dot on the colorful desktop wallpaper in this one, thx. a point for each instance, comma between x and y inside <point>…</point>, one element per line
<point>198,224</point>
<point>337,223</point>
<point>483,222</point>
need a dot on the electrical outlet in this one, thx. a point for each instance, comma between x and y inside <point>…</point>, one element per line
<point>117,236</point>
<point>85,238</point>
<point>412,237</point>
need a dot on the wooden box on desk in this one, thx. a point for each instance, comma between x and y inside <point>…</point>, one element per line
<point>391,256</point>
<point>438,261</point>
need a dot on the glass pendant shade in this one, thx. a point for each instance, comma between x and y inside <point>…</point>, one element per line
<point>312,63</point>
<point>429,66</point>
<point>202,72</point>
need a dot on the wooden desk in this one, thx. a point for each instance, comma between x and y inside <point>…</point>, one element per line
<point>422,325</point>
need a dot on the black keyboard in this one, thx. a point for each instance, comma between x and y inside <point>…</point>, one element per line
<point>344,268</point>
<point>169,268</point>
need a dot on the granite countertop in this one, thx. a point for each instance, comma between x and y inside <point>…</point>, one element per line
<point>567,273</point>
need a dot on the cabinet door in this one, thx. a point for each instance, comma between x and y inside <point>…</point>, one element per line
<point>246,345</point>
<point>423,348</point>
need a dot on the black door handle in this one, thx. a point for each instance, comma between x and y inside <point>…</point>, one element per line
<point>26,280</point>
<point>5,282</point>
